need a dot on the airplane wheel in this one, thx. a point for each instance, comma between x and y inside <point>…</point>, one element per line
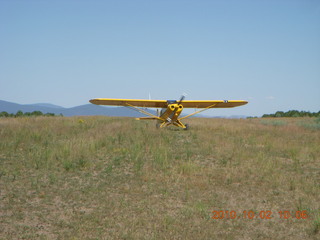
<point>158,125</point>
<point>187,127</point>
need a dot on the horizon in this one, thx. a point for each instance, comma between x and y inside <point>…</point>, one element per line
<point>66,53</point>
<point>186,111</point>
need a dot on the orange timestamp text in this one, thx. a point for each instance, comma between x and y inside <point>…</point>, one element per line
<point>226,214</point>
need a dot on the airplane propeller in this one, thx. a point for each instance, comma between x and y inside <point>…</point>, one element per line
<point>183,96</point>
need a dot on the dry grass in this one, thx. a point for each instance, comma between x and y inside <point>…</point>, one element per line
<point>117,178</point>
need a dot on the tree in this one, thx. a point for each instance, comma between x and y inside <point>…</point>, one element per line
<point>19,114</point>
<point>4,114</point>
<point>279,114</point>
<point>36,113</point>
<point>293,113</point>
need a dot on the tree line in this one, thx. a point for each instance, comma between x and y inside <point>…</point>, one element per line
<point>27,114</point>
<point>292,113</point>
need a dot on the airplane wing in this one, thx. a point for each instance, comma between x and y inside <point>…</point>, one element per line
<point>130,102</point>
<point>212,103</point>
<point>164,103</point>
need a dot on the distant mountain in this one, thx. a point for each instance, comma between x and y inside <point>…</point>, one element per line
<point>92,110</point>
<point>237,116</point>
<point>83,110</point>
<point>45,105</point>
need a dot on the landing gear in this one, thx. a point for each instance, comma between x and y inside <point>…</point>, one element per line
<point>177,124</point>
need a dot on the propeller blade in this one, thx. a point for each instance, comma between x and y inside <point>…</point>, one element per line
<point>183,96</point>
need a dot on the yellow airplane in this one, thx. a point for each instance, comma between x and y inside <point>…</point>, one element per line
<point>171,109</point>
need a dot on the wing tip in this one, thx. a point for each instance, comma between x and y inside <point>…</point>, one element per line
<point>94,100</point>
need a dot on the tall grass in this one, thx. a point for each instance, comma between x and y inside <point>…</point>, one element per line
<point>117,178</point>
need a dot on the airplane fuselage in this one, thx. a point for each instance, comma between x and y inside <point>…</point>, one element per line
<point>170,115</point>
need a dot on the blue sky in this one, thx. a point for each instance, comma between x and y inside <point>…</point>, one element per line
<point>67,52</point>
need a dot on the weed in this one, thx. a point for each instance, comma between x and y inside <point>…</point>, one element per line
<point>273,122</point>
<point>316,226</point>
<point>68,165</point>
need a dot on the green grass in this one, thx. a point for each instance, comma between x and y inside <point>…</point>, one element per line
<point>313,124</point>
<point>117,178</point>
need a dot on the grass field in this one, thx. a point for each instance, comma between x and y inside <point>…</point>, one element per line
<point>117,178</point>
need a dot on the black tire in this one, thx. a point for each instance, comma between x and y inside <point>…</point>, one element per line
<point>187,127</point>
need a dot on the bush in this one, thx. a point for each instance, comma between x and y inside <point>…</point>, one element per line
<point>27,114</point>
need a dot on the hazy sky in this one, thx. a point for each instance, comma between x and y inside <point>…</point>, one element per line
<point>67,52</point>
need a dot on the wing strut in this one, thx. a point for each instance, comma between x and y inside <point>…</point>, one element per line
<point>142,111</point>
<point>211,106</point>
